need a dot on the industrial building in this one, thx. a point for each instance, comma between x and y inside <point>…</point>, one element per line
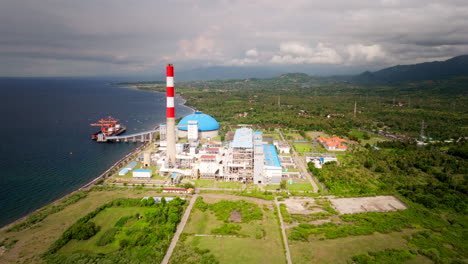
<point>142,173</point>
<point>320,158</point>
<point>245,159</point>
<point>282,146</point>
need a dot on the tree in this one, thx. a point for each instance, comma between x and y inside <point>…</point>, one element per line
<point>283,184</point>
<point>84,231</point>
<point>188,185</point>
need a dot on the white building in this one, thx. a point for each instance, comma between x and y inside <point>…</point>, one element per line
<point>282,146</point>
<point>192,130</point>
<point>142,173</point>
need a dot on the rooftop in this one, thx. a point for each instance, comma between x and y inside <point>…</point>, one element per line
<point>243,138</point>
<point>271,156</point>
<point>205,122</point>
<point>142,170</point>
<point>208,157</point>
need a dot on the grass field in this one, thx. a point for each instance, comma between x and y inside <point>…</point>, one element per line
<point>229,185</point>
<point>275,136</point>
<point>272,187</point>
<point>263,238</point>
<point>293,136</point>
<point>106,220</point>
<point>302,147</point>
<point>292,187</point>
<point>299,187</point>
<point>204,183</point>
<point>372,138</point>
<point>341,250</point>
<point>37,239</point>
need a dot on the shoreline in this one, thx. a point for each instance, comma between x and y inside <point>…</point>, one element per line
<point>85,187</point>
<point>92,183</point>
<point>177,95</point>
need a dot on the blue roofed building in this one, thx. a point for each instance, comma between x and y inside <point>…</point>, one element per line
<point>272,168</point>
<point>198,125</point>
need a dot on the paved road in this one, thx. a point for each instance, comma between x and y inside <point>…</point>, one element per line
<point>301,163</point>
<point>283,231</point>
<point>180,228</point>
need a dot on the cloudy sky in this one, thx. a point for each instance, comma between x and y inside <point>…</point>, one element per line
<point>123,37</point>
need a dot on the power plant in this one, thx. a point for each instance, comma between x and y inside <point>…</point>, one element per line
<point>200,154</point>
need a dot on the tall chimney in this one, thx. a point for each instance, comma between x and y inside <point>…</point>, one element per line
<point>170,115</point>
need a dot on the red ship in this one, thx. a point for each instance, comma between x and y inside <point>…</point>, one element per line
<point>109,127</point>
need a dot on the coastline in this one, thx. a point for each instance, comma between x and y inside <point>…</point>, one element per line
<point>92,183</point>
<point>177,95</point>
<point>85,187</point>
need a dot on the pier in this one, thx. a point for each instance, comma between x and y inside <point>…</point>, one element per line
<point>146,136</point>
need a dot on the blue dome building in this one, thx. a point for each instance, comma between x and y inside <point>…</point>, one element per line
<point>198,125</point>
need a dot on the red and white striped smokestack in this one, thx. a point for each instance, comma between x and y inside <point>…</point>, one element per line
<point>170,115</point>
<point>170,91</point>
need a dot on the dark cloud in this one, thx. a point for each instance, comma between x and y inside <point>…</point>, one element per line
<point>91,37</point>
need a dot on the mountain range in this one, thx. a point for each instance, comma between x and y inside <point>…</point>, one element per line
<point>456,66</point>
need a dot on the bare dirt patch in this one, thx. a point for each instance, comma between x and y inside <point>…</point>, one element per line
<point>302,205</point>
<point>367,204</point>
<point>320,221</point>
<point>235,217</point>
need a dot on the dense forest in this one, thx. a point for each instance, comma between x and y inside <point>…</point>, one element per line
<point>303,102</point>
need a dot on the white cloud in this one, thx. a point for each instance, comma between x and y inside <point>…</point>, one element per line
<point>241,62</point>
<point>203,46</point>
<point>251,53</point>
<point>298,53</point>
<point>361,53</point>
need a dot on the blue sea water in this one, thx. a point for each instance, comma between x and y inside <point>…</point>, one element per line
<point>46,150</point>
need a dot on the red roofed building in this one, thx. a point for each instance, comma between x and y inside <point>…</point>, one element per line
<point>333,144</point>
<point>178,190</point>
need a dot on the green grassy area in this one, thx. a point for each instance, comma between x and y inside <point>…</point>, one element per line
<point>260,237</point>
<point>302,147</point>
<point>229,185</point>
<point>218,138</point>
<point>293,136</point>
<point>271,187</point>
<point>36,239</point>
<point>204,183</point>
<point>365,138</point>
<point>123,230</point>
<point>106,220</point>
<point>291,187</point>
<point>299,187</point>
<point>275,136</point>
<point>341,250</point>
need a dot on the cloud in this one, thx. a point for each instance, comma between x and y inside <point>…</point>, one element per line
<point>121,37</point>
<point>251,53</point>
<point>361,53</point>
<point>297,53</point>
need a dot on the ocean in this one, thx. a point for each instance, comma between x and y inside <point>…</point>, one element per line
<point>46,151</point>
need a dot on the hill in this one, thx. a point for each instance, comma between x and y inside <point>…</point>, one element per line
<point>435,70</point>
